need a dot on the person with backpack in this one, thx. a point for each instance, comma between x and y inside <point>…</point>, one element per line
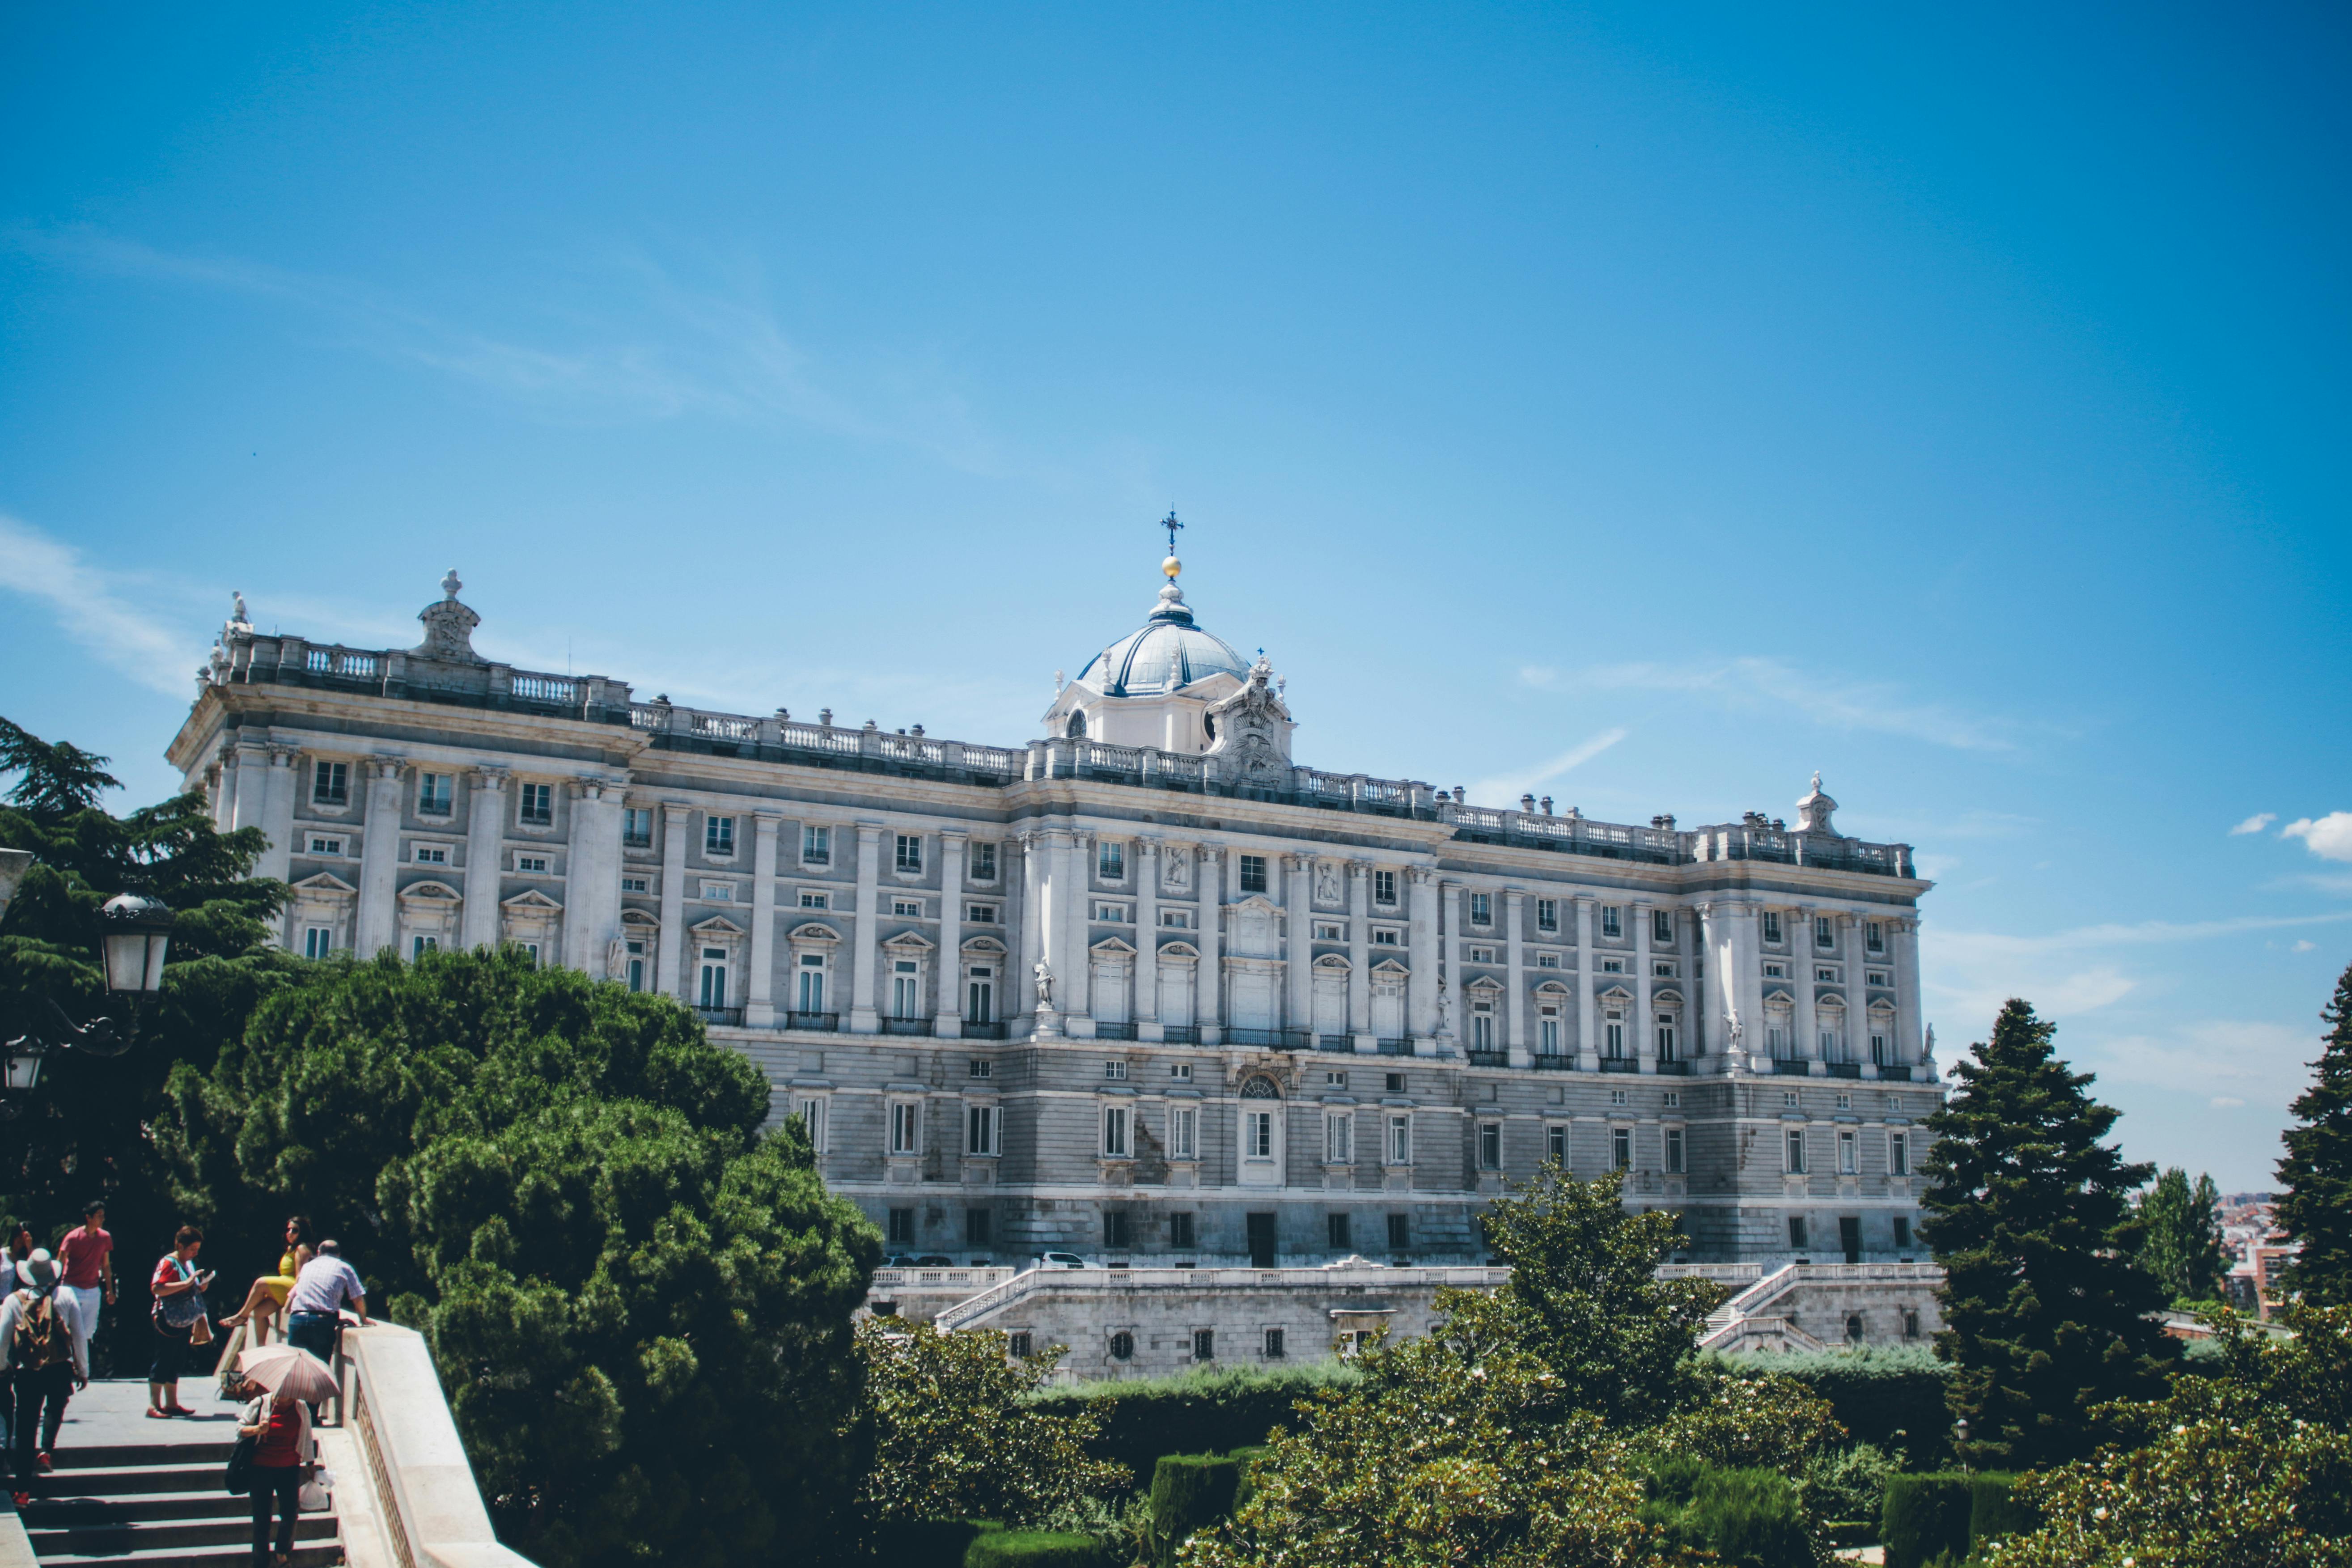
<point>36,1354</point>
<point>180,1321</point>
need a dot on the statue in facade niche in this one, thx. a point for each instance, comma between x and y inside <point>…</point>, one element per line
<point>1045,984</point>
<point>1180,867</point>
<point>1327,881</point>
<point>1733,1030</point>
<point>616,958</point>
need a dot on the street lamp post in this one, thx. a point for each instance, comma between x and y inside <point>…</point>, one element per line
<point>135,934</point>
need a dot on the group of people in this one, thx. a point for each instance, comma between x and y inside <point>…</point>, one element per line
<point>49,1308</point>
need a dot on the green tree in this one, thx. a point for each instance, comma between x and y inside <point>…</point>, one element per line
<point>2316,1207</point>
<point>85,1131</point>
<point>2045,1311</point>
<point>2180,1236</point>
<point>640,1308</point>
<point>955,1437</point>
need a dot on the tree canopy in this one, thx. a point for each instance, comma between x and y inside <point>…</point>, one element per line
<point>2180,1236</point>
<point>2316,1171</point>
<point>2045,1311</point>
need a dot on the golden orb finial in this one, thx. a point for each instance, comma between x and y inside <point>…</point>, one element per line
<point>1171,566</point>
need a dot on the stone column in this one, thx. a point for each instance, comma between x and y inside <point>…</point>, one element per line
<point>1021,1006</point>
<point>760,997</point>
<point>948,1022</point>
<point>677,816</point>
<point>1588,1044</point>
<point>1645,1040</point>
<point>1073,893</point>
<point>1208,872</point>
<point>865,1018</point>
<point>485,837</point>
<point>278,814</point>
<point>378,921</point>
<point>1514,1014</point>
<point>250,786</point>
<point>1909,1047</point>
<point>1359,954</point>
<point>1803,956</point>
<point>592,882</point>
<point>1745,979</point>
<point>1298,970</point>
<point>1857,1013</point>
<point>1421,987</point>
<point>1706,986</point>
<point>1147,939</point>
<point>1450,1024</point>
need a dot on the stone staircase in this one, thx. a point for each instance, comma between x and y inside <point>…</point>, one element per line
<point>154,1502</point>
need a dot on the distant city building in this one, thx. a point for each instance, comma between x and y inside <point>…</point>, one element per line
<point>1143,987</point>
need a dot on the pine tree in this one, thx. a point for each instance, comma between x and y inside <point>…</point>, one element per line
<point>2044,1309</point>
<point>2180,1243</point>
<point>2316,1208</point>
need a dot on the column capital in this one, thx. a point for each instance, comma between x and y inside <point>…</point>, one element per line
<point>386,767</point>
<point>766,822</point>
<point>282,755</point>
<point>1586,897</point>
<point>954,835</point>
<point>1420,875</point>
<point>1359,870</point>
<point>490,779</point>
<point>869,833</point>
<point>1514,895</point>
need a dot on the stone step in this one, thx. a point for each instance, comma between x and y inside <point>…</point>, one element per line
<point>307,1554</point>
<point>129,1537</point>
<point>106,1481</point>
<point>132,1456</point>
<point>63,1512</point>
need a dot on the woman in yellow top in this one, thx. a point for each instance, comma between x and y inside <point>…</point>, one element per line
<point>267,1297</point>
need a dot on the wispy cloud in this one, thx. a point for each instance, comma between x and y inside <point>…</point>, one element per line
<point>1755,682</point>
<point>698,340</point>
<point>1505,789</point>
<point>2254,823</point>
<point>87,606</point>
<point>2329,838</point>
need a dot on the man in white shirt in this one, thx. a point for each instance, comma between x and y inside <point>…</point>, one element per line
<point>315,1306</point>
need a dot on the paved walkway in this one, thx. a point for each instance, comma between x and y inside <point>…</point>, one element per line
<point>108,1414</point>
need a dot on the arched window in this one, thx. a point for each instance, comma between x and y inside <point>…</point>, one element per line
<point>1077,728</point>
<point>1853,1328</point>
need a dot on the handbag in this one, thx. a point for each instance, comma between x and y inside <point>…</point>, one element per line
<point>180,1311</point>
<point>318,1493</point>
<point>239,1476</point>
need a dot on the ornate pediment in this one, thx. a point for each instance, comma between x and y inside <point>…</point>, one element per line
<point>325,884</point>
<point>715,926</point>
<point>814,931</point>
<point>532,901</point>
<point>909,942</point>
<point>982,944</point>
<point>431,890</point>
<point>1112,947</point>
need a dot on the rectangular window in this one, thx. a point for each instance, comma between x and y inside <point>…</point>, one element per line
<point>1400,1140</point>
<point>1878,1047</point>
<point>812,1115</point>
<point>906,989</point>
<point>1176,919</point>
<point>1797,1232</point>
<point>1388,936</point>
<point>1253,873</point>
<point>1490,1145</point>
<point>1873,937</point>
<point>1902,1230</point>
<point>979,997</point>
<point>1482,909</point>
<point>812,899</point>
<point>1335,1080</point>
<point>532,864</point>
<point>906,1128</point>
<point>1274,1344</point>
<point>975,1229</point>
<point>1546,961</point>
<point>431,855</point>
<point>1114,1132</point>
<point>979,914</point>
<point>1338,1138</point>
<point>1548,1033</point>
<point>1662,926</point>
<point>433,794</point>
<point>983,866</point>
<point>1482,955</point>
<point>1620,1148</point>
<point>817,845</point>
<point>1846,1165</point>
<point>1111,914</point>
<point>326,845</point>
<point>1180,1072</point>
<point>636,827</point>
<point>331,784</point>
<point>1546,914</point>
<point>1612,921</point>
<point>902,1228</point>
<point>906,908</point>
<point>714,977</point>
<point>1482,1026</point>
<point>1616,1097</point>
<point>910,859</point>
<point>634,970</point>
<point>1667,1041</point>
<point>1335,1228</point>
<point>1830,976</point>
<point>1796,1166</point>
<point>1898,1154</point>
<point>1612,1034</point>
<point>637,884</point>
<point>1612,966</point>
<point>980,1129</point>
<point>1772,926</point>
<point>1329,931</point>
<point>1384,886</point>
<point>1674,1151</point>
<point>423,945</point>
<point>717,836</point>
<point>1662,970</point>
<point>1257,1134</point>
<point>1116,1232</point>
<point>1556,1145</point>
<point>1110,860</point>
<point>1824,932</point>
<point>1116,1071</point>
<point>980,1067</point>
<point>1394,1081</point>
<point>1204,1345</point>
<point>1776,972</point>
<point>1399,1232</point>
<point>1180,1232</point>
<point>1183,1141</point>
<point>811,986</point>
<point>317,941</point>
<point>536,804</point>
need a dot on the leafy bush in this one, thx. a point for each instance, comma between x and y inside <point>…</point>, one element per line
<point>1850,1484</point>
<point>926,1543</point>
<point>1040,1549</point>
<point>1890,1398</point>
<point>1211,1412</point>
<point>1996,1510</point>
<point>1188,1491</point>
<point>1949,1515</point>
<point>1750,1518</point>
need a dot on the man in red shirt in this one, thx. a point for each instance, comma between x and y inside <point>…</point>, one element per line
<point>86,1258</point>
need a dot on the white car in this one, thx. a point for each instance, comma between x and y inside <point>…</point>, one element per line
<point>1063,1260</point>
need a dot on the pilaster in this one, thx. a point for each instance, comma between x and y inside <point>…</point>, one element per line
<point>677,816</point>
<point>1854,956</point>
<point>486,834</point>
<point>1421,985</point>
<point>1803,956</point>
<point>948,1024</point>
<point>1909,1047</point>
<point>760,997</point>
<point>1588,1045</point>
<point>1359,954</point>
<point>1209,973</point>
<point>1645,1038</point>
<point>378,921</point>
<point>864,951</point>
<point>1514,1014</point>
<point>591,886</point>
<point>1147,939</point>
<point>278,814</point>
<point>1298,971</point>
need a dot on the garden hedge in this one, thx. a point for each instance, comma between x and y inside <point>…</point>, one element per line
<point>1893,1398</point>
<point>1931,1516</point>
<point>1751,1519</point>
<point>927,1542</point>
<point>1042,1549</point>
<point>1195,1413</point>
<point>1190,1492</point>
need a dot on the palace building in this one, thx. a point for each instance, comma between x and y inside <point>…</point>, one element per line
<point>1143,987</point>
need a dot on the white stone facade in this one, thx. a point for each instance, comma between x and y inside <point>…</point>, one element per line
<point>1142,987</point>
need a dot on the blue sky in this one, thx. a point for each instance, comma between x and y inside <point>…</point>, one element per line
<point>1642,405</point>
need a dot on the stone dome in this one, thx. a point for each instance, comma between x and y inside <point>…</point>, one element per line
<point>1166,653</point>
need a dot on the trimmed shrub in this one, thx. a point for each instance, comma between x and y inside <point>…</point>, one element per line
<point>1195,1413</point>
<point>1948,1515</point>
<point>1893,1399</point>
<point>1041,1549</point>
<point>1189,1491</point>
<point>1747,1518</point>
<point>1995,1509</point>
<point>927,1542</point>
<point>1848,1487</point>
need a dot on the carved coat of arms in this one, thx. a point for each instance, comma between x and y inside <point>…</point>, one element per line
<point>1253,728</point>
